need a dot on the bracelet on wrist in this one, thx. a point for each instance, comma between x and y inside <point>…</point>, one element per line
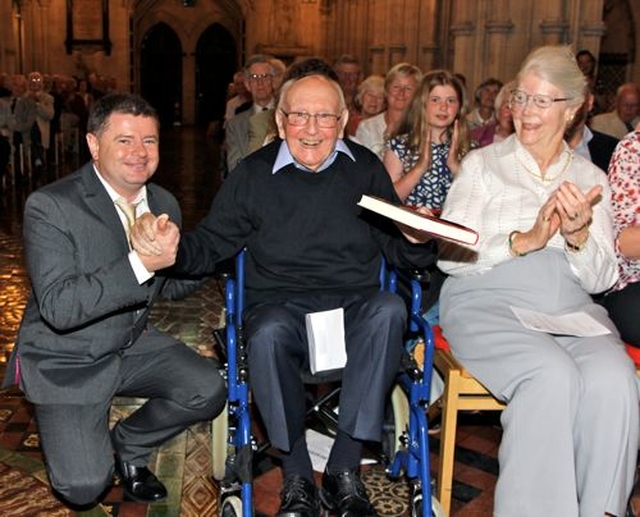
<point>511,242</point>
<point>576,248</point>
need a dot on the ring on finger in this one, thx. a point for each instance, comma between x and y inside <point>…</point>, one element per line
<point>573,217</point>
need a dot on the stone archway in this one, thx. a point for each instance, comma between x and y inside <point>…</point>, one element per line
<point>216,58</point>
<point>161,72</point>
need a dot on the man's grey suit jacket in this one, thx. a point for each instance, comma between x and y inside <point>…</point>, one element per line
<point>85,302</point>
<point>237,138</point>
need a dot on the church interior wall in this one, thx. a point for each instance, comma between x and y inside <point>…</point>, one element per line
<point>478,39</point>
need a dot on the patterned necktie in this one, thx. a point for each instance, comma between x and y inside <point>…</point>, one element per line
<point>129,211</point>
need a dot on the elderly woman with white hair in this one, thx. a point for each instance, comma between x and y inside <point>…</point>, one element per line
<point>543,213</point>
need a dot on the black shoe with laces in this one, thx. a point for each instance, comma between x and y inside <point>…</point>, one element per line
<point>344,494</point>
<point>299,498</point>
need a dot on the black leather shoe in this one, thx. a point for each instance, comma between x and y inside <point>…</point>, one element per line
<point>299,498</point>
<point>139,483</point>
<point>344,494</point>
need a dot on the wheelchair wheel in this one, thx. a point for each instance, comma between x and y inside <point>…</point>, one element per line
<point>219,444</point>
<point>396,422</point>
<point>231,507</point>
<point>417,506</point>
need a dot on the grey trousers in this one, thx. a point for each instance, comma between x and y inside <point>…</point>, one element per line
<point>570,439</point>
<point>278,354</point>
<point>182,388</point>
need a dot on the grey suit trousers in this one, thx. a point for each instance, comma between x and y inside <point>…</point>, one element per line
<point>278,354</point>
<point>181,387</point>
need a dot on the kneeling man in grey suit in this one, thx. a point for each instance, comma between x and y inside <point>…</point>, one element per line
<point>85,337</point>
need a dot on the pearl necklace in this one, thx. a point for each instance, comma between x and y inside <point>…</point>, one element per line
<point>546,179</point>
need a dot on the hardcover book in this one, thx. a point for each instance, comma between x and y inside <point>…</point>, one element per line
<point>429,224</point>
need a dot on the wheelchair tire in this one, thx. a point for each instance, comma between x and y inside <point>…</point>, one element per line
<point>231,506</point>
<point>400,421</point>
<point>219,444</point>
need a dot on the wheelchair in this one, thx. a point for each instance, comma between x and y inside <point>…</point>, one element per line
<point>405,443</point>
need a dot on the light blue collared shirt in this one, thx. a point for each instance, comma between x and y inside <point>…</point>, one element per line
<point>285,157</point>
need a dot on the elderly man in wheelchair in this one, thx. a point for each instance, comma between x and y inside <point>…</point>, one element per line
<point>310,248</point>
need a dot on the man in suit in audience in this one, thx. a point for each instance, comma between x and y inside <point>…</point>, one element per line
<point>262,125</point>
<point>85,335</point>
<point>624,117</point>
<point>259,81</point>
<point>595,146</point>
<point>310,248</point>
<point>349,72</point>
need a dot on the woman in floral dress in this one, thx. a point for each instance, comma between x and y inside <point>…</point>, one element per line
<point>623,301</point>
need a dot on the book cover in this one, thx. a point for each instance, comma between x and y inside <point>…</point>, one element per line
<point>429,224</point>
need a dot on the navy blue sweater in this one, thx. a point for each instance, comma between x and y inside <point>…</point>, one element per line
<point>304,232</point>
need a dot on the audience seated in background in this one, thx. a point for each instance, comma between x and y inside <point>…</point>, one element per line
<point>41,132</point>
<point>21,123</point>
<point>369,101</point>
<point>543,213</point>
<point>399,84</point>
<point>309,249</point>
<point>237,95</point>
<point>424,155</point>
<point>262,125</point>
<point>347,67</point>
<point>5,90</point>
<point>502,125</point>
<point>591,144</point>
<point>588,65</point>
<point>259,81</point>
<point>623,300</point>
<point>625,115</point>
<point>484,98</point>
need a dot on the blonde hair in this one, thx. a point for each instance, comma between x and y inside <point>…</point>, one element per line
<point>373,83</point>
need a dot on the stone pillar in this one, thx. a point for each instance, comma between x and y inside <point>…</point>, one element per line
<point>554,26</point>
<point>498,29</point>
<point>498,32</point>
<point>41,19</point>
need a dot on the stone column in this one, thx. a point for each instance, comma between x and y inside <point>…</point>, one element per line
<point>463,33</point>
<point>40,50</point>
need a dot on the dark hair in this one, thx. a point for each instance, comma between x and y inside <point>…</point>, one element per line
<point>126,103</point>
<point>585,52</point>
<point>310,66</point>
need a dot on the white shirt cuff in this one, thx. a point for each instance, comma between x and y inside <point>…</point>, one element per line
<point>142,275</point>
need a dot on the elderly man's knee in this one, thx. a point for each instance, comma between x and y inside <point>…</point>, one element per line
<point>392,307</point>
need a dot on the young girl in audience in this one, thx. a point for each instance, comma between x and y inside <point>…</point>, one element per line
<point>425,153</point>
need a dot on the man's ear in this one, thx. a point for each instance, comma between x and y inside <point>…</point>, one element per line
<point>94,145</point>
<point>280,123</point>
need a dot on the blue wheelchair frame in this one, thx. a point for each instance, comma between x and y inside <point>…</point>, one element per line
<point>412,457</point>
